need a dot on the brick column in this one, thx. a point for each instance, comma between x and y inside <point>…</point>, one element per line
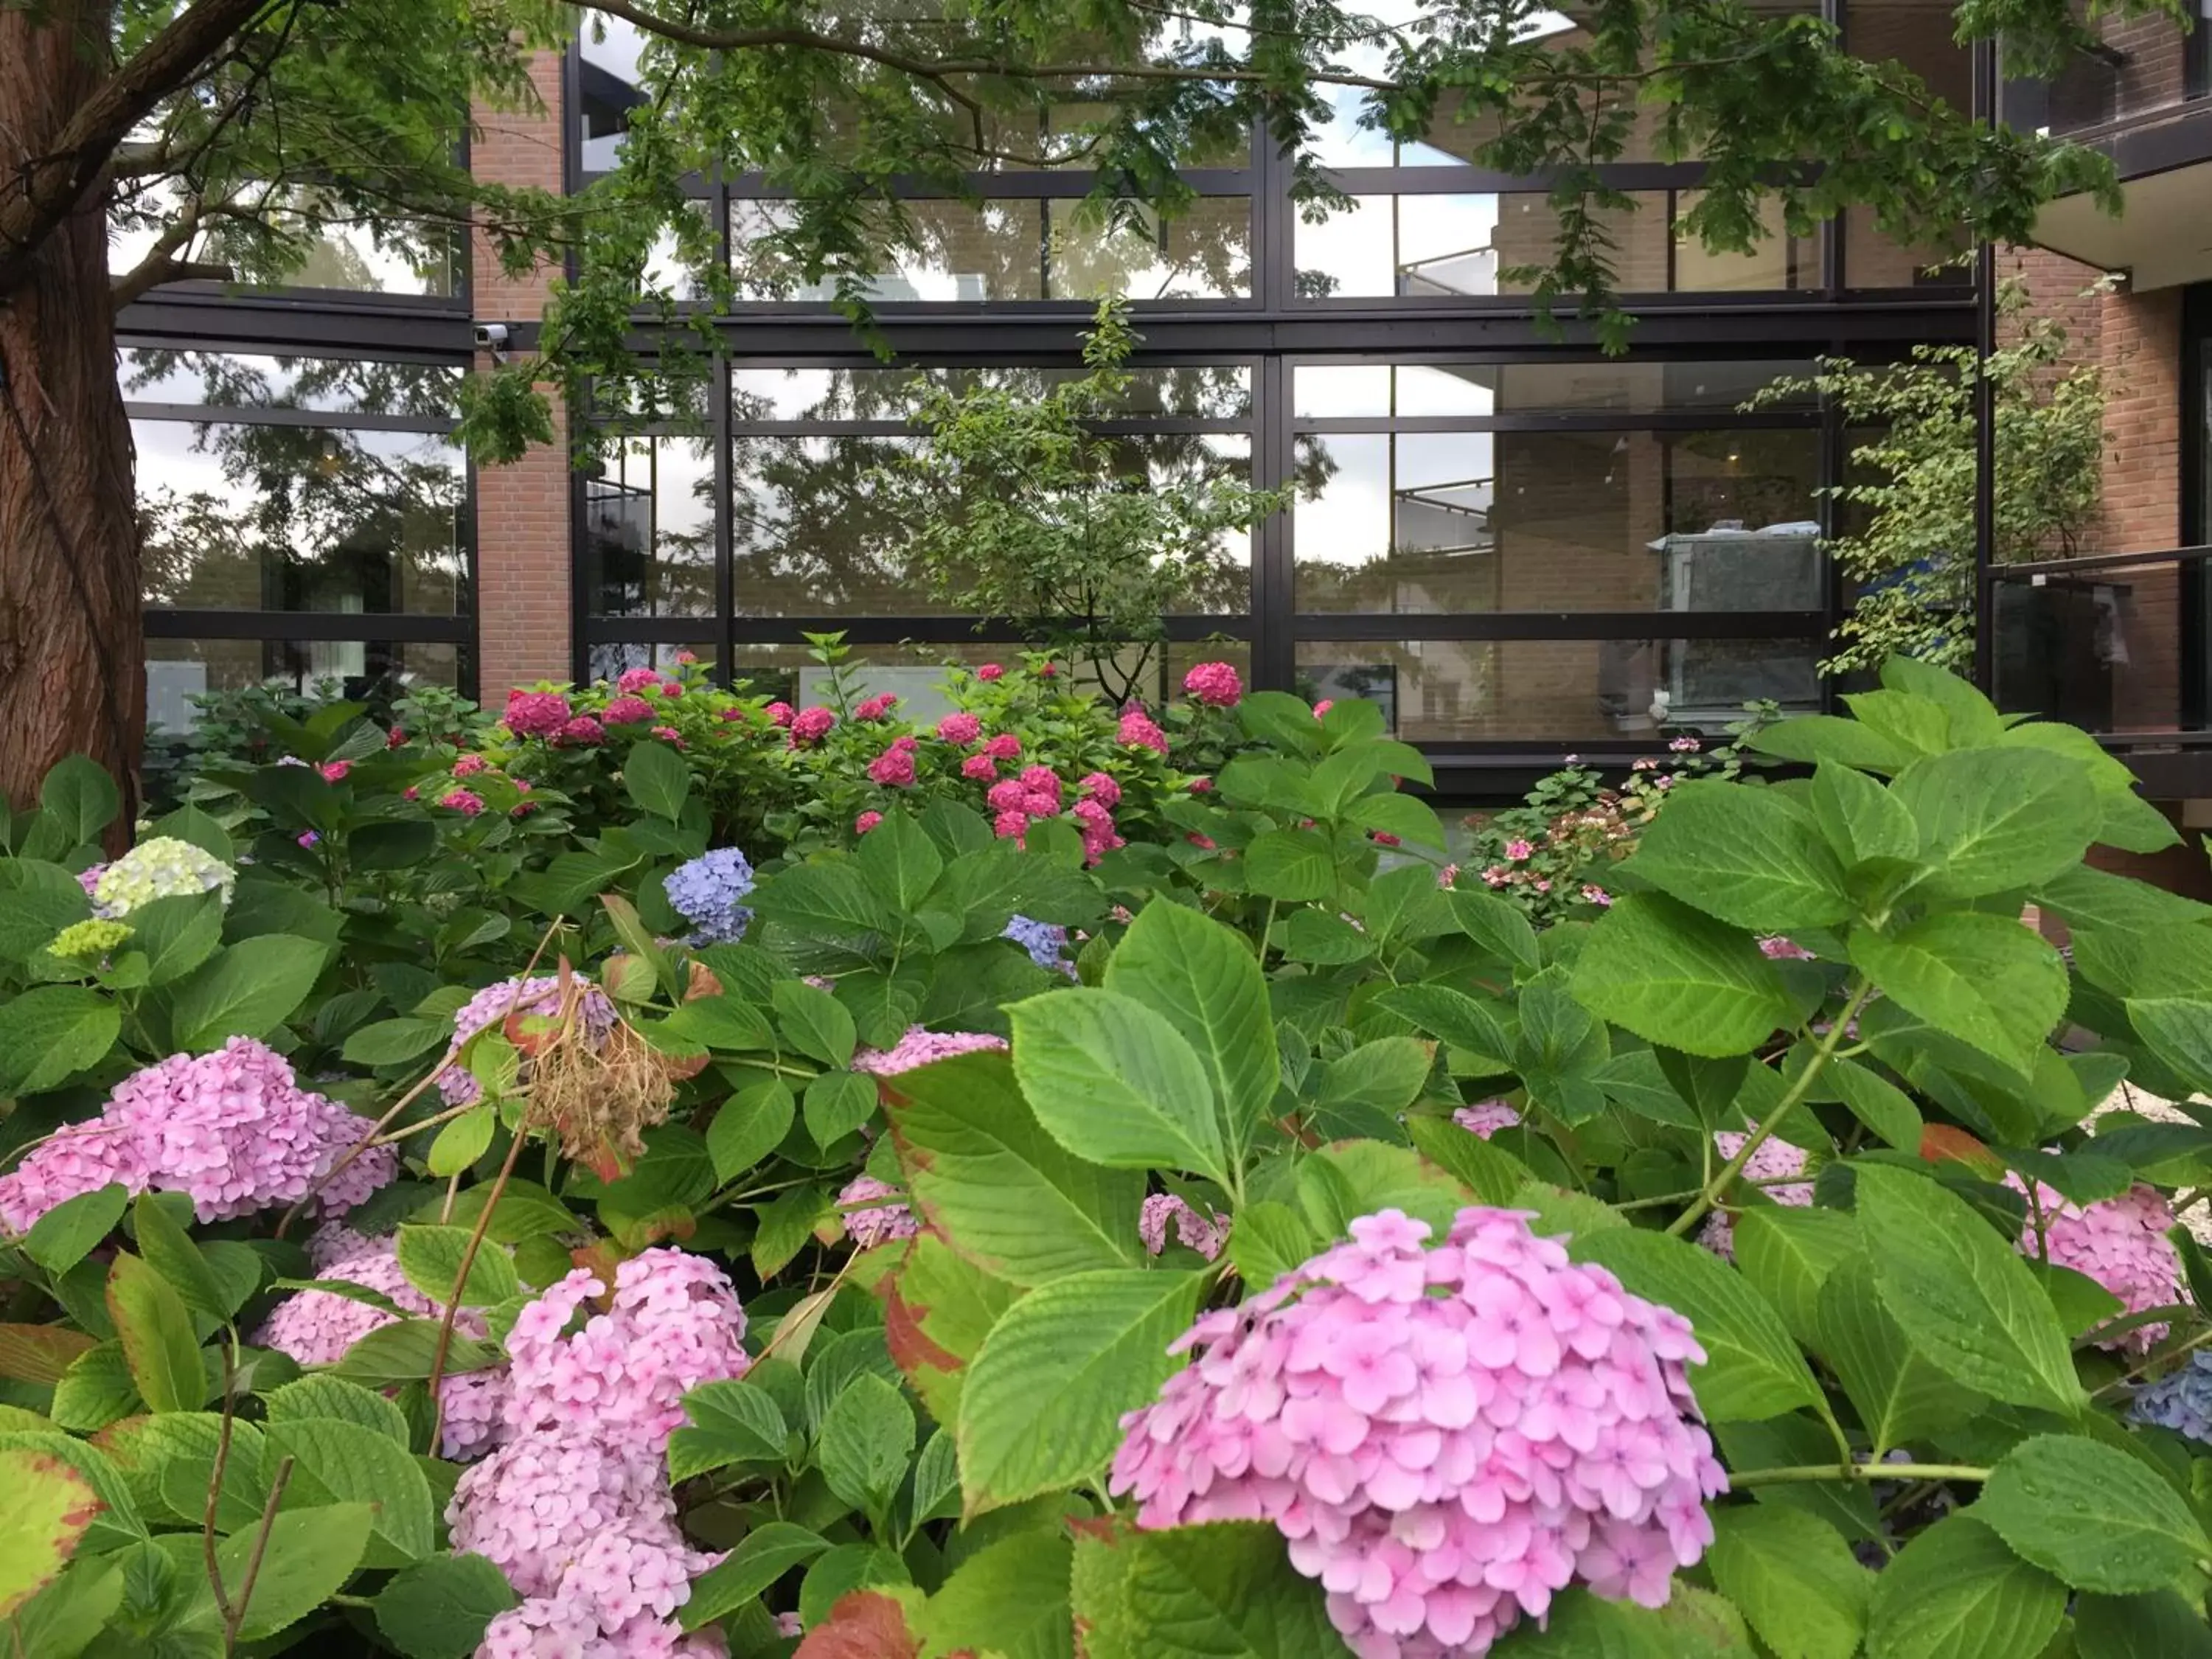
<point>523,575</point>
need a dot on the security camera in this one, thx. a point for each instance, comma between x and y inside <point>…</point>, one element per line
<point>492,337</point>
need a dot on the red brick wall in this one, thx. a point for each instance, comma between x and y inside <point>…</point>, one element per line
<point>522,511</point>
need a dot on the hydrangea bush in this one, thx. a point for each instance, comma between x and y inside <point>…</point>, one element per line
<point>1212,1228</point>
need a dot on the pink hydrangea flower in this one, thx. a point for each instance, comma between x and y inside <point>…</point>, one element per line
<point>395,737</point>
<point>466,802</point>
<point>779,714</point>
<point>1593,894</point>
<point>634,680</point>
<point>919,1047</point>
<point>980,768</point>
<point>1518,849</point>
<point>1047,670</point>
<point>1323,707</point>
<point>893,767</point>
<point>989,671</point>
<point>1096,825</point>
<point>88,879</point>
<point>2121,1243</point>
<point>627,711</point>
<point>1011,825</point>
<point>1215,685</point>
<point>1044,785</point>
<point>581,732</point>
<point>469,765</point>
<point>1005,746</point>
<point>307,838</point>
<point>669,735</point>
<point>1778,949</point>
<point>536,713</point>
<point>233,1129</point>
<point>1446,1437</point>
<point>812,726</point>
<point>867,822</point>
<point>1201,786</point>
<point>1486,1117</point>
<point>1384,838</point>
<point>1204,1233</point>
<point>1102,789</point>
<point>961,728</point>
<point>671,688</point>
<point>877,708</point>
<point>869,1222</point>
<point>335,771</point>
<point>1775,1158</point>
<point>317,1327</point>
<point>1138,730</point>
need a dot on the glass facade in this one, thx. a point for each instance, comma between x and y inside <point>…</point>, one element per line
<point>1510,539</point>
<point>304,520</point>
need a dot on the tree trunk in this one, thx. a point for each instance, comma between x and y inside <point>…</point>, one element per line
<point>72,641</point>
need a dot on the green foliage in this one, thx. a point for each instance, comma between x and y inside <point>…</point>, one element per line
<point>1910,489</point>
<point>1923,1421</point>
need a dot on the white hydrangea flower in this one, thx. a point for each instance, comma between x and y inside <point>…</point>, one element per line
<point>161,868</point>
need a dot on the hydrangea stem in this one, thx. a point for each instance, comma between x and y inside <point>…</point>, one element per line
<point>1805,1473</point>
<point>1823,1051</point>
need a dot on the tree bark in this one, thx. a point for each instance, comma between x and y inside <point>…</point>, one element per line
<point>72,640</point>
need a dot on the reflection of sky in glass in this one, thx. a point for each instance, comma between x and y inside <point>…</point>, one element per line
<point>349,259</point>
<point>1350,522</point>
<point>1429,237</point>
<point>1343,142</point>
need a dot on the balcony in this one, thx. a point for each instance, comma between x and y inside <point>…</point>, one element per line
<point>2115,644</point>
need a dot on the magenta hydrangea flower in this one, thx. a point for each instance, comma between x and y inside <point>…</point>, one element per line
<point>980,768</point>
<point>1206,1234</point>
<point>876,708</point>
<point>1096,823</point>
<point>919,1047</point>
<point>2121,1243</point>
<point>233,1129</point>
<point>1215,685</point>
<point>1447,1437</point>
<point>1100,787</point>
<point>536,713</point>
<point>466,802</point>
<point>867,822</point>
<point>1486,1117</point>
<point>1011,824</point>
<point>1775,1158</point>
<point>989,671</point>
<point>1043,786</point>
<point>779,714</point>
<point>631,681</point>
<point>317,1327</point>
<point>539,998</point>
<point>1005,746</point>
<point>1139,731</point>
<point>868,1223</point>
<point>469,765</point>
<point>962,729</point>
<point>812,726</point>
<point>335,771</point>
<point>893,767</point>
<point>627,711</point>
<point>1778,949</point>
<point>581,732</point>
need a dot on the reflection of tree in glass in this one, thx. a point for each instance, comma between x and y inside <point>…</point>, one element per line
<point>647,552</point>
<point>223,380</point>
<point>316,519</point>
<point>817,531</point>
<point>1018,508</point>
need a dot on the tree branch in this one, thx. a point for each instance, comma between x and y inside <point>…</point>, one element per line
<point>47,189</point>
<point>151,274</point>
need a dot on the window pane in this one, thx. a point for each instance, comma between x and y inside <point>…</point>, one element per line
<point>1465,246</point>
<point>279,518</point>
<point>1444,523</point>
<point>1777,260</point>
<point>649,529</point>
<point>318,242</point>
<point>234,381</point>
<point>1566,691</point>
<point>1874,258</point>
<point>813,534</point>
<point>916,672</point>
<point>374,671</point>
<point>891,394</point>
<point>607,51</point>
<point>607,659</point>
<point>1022,250</point>
<point>1323,391</point>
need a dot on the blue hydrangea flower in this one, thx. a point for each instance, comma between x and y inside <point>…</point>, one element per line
<point>1043,939</point>
<point>706,891</point>
<point>2181,1401</point>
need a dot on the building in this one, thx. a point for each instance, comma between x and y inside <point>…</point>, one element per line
<point>1523,549</point>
